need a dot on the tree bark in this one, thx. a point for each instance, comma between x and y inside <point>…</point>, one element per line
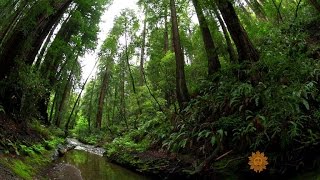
<point>209,45</point>
<point>16,47</point>
<point>54,103</point>
<point>102,95</point>
<point>90,106</point>
<point>181,86</point>
<point>166,32</point>
<point>257,9</point>
<point>230,49</point>
<point>143,46</point>
<point>12,23</point>
<point>62,104</point>
<point>245,48</point>
<point>122,93</point>
<point>45,45</point>
<point>43,30</point>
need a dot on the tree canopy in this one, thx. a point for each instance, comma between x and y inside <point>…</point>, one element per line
<point>212,81</point>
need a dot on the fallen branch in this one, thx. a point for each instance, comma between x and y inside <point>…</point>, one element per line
<point>230,162</point>
<point>223,155</point>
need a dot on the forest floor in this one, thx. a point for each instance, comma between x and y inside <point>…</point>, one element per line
<point>158,163</point>
<point>25,149</point>
<point>6,174</point>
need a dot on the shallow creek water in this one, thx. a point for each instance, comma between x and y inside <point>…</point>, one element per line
<point>87,163</point>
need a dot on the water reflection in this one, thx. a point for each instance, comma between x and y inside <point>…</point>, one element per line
<point>94,167</point>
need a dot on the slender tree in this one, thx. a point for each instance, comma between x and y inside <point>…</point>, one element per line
<point>143,46</point>
<point>230,49</point>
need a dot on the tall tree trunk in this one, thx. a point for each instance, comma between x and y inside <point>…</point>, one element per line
<point>230,49</point>
<point>43,108</point>
<point>315,4</point>
<point>245,48</point>
<point>114,103</point>
<point>62,104</point>
<point>12,23</point>
<point>166,32</point>
<point>130,73</point>
<point>256,8</point>
<point>66,127</point>
<point>54,103</point>
<point>122,93</point>
<point>18,44</point>
<point>212,57</point>
<point>181,85</point>
<point>45,46</point>
<point>168,92</point>
<point>43,32</point>
<point>90,106</point>
<point>102,95</point>
<point>143,45</point>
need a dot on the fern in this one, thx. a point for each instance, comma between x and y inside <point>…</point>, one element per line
<point>2,109</point>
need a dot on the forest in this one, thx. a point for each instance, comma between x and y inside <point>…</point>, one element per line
<point>189,89</point>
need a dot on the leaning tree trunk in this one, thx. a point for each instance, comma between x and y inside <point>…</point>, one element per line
<point>245,48</point>
<point>212,57</point>
<point>44,30</point>
<point>181,85</point>
<point>230,49</point>
<point>25,45</point>
<point>90,106</point>
<point>6,28</point>
<point>66,127</point>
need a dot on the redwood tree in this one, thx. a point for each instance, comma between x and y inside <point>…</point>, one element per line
<point>181,85</point>
<point>245,48</point>
<point>209,45</point>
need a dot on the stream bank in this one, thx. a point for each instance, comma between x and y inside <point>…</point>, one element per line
<point>81,161</point>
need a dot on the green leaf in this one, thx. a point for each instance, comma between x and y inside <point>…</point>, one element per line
<point>213,140</point>
<point>306,104</point>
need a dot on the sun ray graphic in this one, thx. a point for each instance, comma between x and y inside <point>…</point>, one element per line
<point>258,161</point>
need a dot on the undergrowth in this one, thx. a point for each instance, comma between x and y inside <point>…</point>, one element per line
<point>272,106</point>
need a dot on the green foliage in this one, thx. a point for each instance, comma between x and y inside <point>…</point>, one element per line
<point>27,84</point>
<point>53,143</point>
<point>22,170</point>
<point>271,105</point>
<point>2,109</point>
<point>125,144</point>
<point>276,104</point>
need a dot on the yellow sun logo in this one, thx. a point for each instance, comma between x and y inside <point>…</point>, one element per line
<point>258,161</point>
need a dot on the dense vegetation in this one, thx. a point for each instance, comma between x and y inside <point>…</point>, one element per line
<point>193,87</point>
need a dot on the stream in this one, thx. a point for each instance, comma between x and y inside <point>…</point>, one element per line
<point>86,162</point>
